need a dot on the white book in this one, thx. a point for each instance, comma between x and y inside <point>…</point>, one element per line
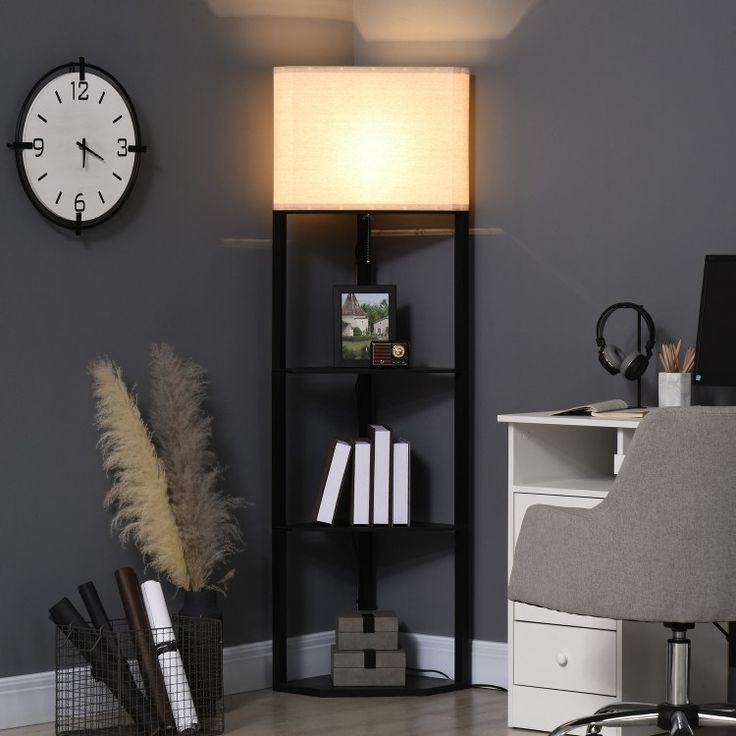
<point>401,491</point>
<point>361,482</point>
<point>332,481</point>
<point>381,466</point>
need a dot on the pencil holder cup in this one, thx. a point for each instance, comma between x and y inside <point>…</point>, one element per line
<point>674,389</point>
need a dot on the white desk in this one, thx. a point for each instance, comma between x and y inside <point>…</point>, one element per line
<point>563,666</point>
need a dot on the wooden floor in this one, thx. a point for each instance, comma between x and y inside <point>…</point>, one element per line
<point>265,713</point>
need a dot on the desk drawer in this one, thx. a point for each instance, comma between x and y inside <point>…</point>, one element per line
<point>541,709</point>
<point>536,614</point>
<point>565,658</point>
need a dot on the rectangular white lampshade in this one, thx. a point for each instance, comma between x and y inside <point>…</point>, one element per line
<point>371,138</point>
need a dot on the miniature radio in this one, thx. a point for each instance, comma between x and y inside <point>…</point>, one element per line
<point>389,354</point>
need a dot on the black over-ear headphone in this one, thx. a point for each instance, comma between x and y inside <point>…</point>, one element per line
<point>612,358</point>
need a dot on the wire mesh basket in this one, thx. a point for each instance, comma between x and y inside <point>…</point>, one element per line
<point>121,682</point>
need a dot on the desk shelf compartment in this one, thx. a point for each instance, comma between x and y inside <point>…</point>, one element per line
<point>573,458</point>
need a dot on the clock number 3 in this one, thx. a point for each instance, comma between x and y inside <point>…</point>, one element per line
<point>123,143</point>
<point>83,86</point>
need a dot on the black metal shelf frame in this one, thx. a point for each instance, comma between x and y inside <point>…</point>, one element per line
<point>366,370</point>
<point>415,685</point>
<point>348,529</point>
<point>461,528</point>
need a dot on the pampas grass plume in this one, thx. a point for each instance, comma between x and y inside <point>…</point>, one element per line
<point>182,431</point>
<point>139,490</point>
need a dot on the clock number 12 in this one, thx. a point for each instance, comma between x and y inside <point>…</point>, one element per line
<point>83,86</point>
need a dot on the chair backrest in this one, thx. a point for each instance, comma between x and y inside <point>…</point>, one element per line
<point>661,546</point>
<point>673,509</point>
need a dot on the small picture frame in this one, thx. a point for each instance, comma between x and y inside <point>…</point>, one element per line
<point>362,314</point>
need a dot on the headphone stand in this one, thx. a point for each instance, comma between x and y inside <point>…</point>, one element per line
<point>638,348</point>
<point>614,360</point>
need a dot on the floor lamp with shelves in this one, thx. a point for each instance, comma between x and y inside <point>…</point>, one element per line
<point>291,85</point>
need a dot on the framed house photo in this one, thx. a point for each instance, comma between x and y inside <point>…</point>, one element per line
<point>362,314</point>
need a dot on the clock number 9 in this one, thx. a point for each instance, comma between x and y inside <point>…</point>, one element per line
<point>123,143</point>
<point>79,203</point>
<point>38,146</point>
<point>83,86</point>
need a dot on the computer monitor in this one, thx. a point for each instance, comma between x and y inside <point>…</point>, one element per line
<point>715,350</point>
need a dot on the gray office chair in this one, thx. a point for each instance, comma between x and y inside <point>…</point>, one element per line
<point>660,547</point>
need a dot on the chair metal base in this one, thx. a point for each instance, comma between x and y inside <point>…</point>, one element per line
<point>677,715</point>
<point>679,721</point>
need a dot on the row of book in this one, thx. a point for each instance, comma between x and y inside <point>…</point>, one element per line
<point>380,480</point>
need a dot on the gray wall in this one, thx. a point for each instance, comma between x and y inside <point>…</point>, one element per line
<point>602,147</point>
<point>157,271</point>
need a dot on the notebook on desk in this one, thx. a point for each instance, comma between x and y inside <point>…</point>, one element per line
<point>611,409</point>
<point>631,412</point>
<point>588,409</point>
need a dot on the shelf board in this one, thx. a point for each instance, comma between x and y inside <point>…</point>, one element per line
<point>322,687</point>
<point>310,526</point>
<point>363,369</point>
<point>369,211</point>
<point>568,486</point>
<point>548,417</point>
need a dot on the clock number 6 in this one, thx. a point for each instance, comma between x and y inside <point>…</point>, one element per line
<point>123,143</point>
<point>38,146</point>
<point>79,203</point>
<point>83,86</point>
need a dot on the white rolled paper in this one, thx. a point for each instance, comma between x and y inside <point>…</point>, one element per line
<point>169,659</point>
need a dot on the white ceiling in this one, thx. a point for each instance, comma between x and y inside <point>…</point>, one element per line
<point>438,20</point>
<point>395,20</point>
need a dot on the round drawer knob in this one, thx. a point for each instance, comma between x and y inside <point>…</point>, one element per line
<point>561,659</point>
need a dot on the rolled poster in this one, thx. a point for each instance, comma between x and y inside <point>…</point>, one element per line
<point>130,594</point>
<point>144,710</point>
<point>106,664</point>
<point>169,659</point>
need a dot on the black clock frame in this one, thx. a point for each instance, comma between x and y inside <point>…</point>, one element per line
<point>18,145</point>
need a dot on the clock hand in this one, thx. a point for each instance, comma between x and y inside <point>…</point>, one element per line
<point>83,146</point>
<point>86,149</point>
<point>96,155</point>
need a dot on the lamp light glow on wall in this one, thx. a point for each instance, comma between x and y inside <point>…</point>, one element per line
<point>371,138</point>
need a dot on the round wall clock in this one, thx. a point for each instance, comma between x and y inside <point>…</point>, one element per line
<point>77,145</point>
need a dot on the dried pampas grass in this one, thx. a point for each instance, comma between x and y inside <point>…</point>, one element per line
<point>139,489</point>
<point>182,431</point>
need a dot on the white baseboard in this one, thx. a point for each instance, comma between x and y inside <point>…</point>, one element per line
<point>29,699</point>
<point>438,653</point>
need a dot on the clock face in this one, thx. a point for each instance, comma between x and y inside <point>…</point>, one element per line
<point>79,146</point>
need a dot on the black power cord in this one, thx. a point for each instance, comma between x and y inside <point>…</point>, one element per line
<point>480,686</point>
<point>436,672</point>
